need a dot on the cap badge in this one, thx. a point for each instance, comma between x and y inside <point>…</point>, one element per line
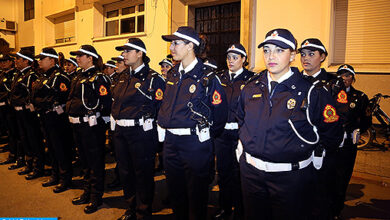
<point>233,47</point>
<point>192,88</point>
<point>291,103</point>
<point>345,67</point>
<point>274,34</point>
<point>306,43</point>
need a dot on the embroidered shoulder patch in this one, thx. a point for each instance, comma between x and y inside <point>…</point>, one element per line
<point>330,114</point>
<point>63,87</point>
<point>216,98</point>
<point>159,94</point>
<point>342,97</point>
<point>103,90</point>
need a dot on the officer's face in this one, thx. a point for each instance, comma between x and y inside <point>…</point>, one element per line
<point>276,59</point>
<point>69,67</point>
<point>45,63</point>
<point>109,70</point>
<point>311,61</point>
<point>84,61</point>
<point>234,61</point>
<point>131,56</point>
<point>21,63</point>
<point>179,49</point>
<point>348,79</point>
<point>165,68</point>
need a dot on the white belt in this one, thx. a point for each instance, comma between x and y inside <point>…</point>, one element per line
<point>231,126</point>
<point>129,122</point>
<point>180,131</point>
<point>2,103</point>
<point>54,108</point>
<point>76,120</point>
<point>276,167</point>
<point>18,108</point>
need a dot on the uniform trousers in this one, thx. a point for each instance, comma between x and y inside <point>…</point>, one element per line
<point>13,135</point>
<point>228,171</point>
<point>90,141</point>
<point>60,151</point>
<point>135,153</point>
<point>187,164</point>
<point>276,195</point>
<point>35,140</point>
<point>24,149</point>
<point>345,163</point>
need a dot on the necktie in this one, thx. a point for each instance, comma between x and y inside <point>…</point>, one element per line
<point>232,75</point>
<point>273,85</point>
<point>310,78</point>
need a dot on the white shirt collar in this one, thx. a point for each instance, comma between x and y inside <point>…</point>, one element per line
<point>138,68</point>
<point>348,89</point>
<point>189,67</point>
<point>238,72</point>
<point>280,80</point>
<point>93,66</point>
<point>314,75</point>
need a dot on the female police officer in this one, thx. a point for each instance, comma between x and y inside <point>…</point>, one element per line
<point>88,103</point>
<point>194,105</point>
<point>358,120</point>
<point>233,81</point>
<point>137,97</point>
<point>282,120</point>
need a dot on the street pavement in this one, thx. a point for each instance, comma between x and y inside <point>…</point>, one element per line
<point>368,195</point>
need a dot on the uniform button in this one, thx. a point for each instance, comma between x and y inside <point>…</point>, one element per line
<point>293,87</point>
<point>302,145</point>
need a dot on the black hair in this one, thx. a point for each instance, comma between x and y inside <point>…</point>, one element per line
<point>198,50</point>
<point>97,62</point>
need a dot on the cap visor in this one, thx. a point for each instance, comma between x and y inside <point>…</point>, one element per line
<point>236,52</point>
<point>75,53</point>
<point>170,38</point>
<point>275,42</point>
<point>309,48</point>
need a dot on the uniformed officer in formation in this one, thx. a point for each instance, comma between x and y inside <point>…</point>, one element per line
<point>88,106</point>
<point>233,81</point>
<point>194,109</point>
<point>9,73</point>
<point>286,124</point>
<point>71,67</point>
<point>313,54</point>
<point>49,95</point>
<point>166,65</point>
<point>137,98</point>
<point>110,69</point>
<point>358,120</point>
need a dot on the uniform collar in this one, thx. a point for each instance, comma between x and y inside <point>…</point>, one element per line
<point>50,71</point>
<point>93,66</point>
<point>25,69</point>
<point>238,72</point>
<point>289,79</point>
<point>189,67</point>
<point>281,79</point>
<point>138,68</point>
<point>315,75</point>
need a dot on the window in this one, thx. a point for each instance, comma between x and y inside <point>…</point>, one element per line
<point>124,17</point>
<point>361,30</point>
<point>28,10</point>
<point>64,29</point>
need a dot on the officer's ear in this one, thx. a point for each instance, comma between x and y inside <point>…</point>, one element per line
<point>190,46</point>
<point>292,55</point>
<point>323,57</point>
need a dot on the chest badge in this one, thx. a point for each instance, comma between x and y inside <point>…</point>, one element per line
<point>192,88</point>
<point>103,91</point>
<point>63,87</point>
<point>137,85</point>
<point>330,114</point>
<point>44,82</point>
<point>5,79</point>
<point>242,86</point>
<point>342,97</point>
<point>352,105</point>
<point>291,103</point>
<point>82,81</point>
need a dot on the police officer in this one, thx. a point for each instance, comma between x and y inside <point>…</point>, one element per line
<point>49,95</point>
<point>165,65</point>
<point>71,67</point>
<point>194,109</point>
<point>88,105</point>
<point>8,114</point>
<point>233,81</point>
<point>137,98</point>
<point>121,67</point>
<point>27,120</point>
<point>284,126</point>
<point>358,121</point>
<point>109,69</point>
<point>313,54</point>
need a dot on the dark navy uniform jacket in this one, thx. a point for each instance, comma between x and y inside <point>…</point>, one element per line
<point>50,89</point>
<point>233,90</point>
<point>90,93</point>
<point>6,80</point>
<point>132,103</point>
<point>359,116</point>
<point>21,87</point>
<point>266,121</point>
<point>184,88</point>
